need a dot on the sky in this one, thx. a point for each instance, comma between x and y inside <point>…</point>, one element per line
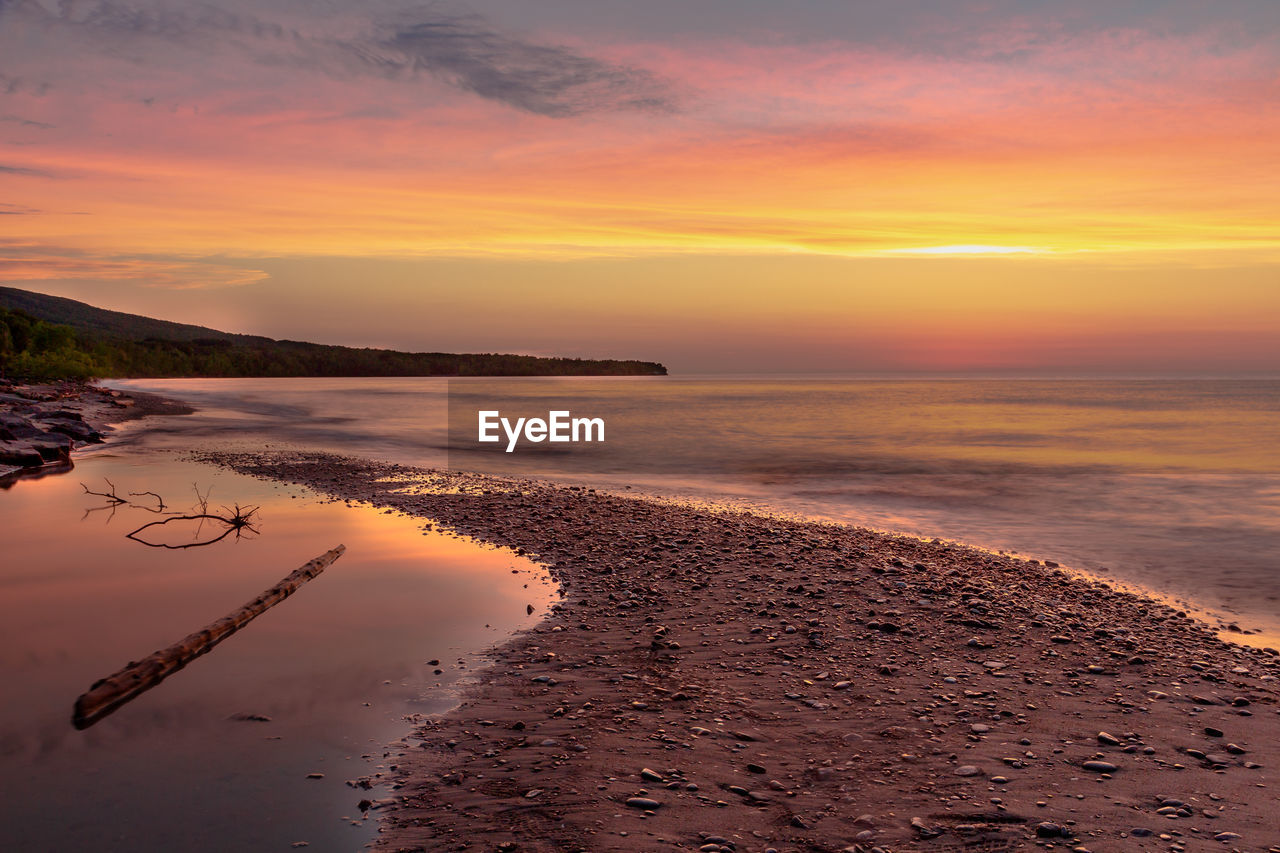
<point>972,186</point>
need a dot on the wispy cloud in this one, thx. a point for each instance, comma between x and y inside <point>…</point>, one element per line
<point>26,122</point>
<point>23,170</point>
<point>462,50</point>
<point>544,79</point>
<point>26,262</point>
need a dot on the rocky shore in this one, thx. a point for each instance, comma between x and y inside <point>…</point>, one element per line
<point>41,425</point>
<point>720,681</point>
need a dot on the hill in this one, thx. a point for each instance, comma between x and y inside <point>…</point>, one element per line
<point>88,318</point>
<point>49,337</point>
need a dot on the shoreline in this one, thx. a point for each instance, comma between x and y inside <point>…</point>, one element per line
<point>1225,620</point>
<point>719,680</point>
<point>43,425</point>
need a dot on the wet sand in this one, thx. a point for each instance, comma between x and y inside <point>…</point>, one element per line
<point>727,681</point>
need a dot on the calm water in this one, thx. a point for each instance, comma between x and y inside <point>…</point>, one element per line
<point>1172,484</point>
<point>336,667</point>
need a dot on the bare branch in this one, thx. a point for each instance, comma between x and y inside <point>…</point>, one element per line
<point>238,523</point>
<point>111,496</point>
<point>159,500</point>
<point>237,519</point>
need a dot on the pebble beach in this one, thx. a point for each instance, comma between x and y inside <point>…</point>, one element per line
<point>724,681</point>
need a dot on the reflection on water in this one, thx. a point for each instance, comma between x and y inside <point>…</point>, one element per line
<point>217,757</point>
<point>1174,484</point>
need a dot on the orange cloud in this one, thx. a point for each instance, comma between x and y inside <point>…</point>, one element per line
<point>31,263</point>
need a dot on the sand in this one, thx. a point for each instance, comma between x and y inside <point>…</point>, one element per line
<point>727,681</point>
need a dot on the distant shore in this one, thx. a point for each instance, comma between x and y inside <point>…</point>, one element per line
<point>726,681</point>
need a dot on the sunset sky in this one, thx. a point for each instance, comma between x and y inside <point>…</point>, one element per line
<point>745,185</point>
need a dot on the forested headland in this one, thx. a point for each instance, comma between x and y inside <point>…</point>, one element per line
<point>46,337</point>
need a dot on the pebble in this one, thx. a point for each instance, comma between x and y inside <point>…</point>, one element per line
<point>643,803</point>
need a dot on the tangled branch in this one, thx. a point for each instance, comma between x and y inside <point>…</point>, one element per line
<point>237,520</point>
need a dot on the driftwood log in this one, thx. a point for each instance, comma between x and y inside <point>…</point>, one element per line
<point>108,694</point>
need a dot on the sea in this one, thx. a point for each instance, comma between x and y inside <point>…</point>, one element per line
<point>1173,485</point>
<point>1168,486</point>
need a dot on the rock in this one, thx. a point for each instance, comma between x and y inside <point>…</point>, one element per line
<point>650,775</point>
<point>1100,766</point>
<point>1108,739</point>
<point>12,427</point>
<point>968,770</point>
<point>643,803</point>
<point>924,829</point>
<point>52,448</point>
<point>76,431</point>
<point>1049,830</point>
<point>15,453</point>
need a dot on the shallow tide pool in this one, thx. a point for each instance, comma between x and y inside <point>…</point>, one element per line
<point>337,667</point>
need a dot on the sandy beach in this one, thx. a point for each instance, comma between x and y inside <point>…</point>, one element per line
<point>727,681</point>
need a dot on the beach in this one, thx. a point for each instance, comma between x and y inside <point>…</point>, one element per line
<point>557,427</point>
<point>722,680</point>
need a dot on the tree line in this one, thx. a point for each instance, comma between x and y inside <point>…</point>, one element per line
<point>37,350</point>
